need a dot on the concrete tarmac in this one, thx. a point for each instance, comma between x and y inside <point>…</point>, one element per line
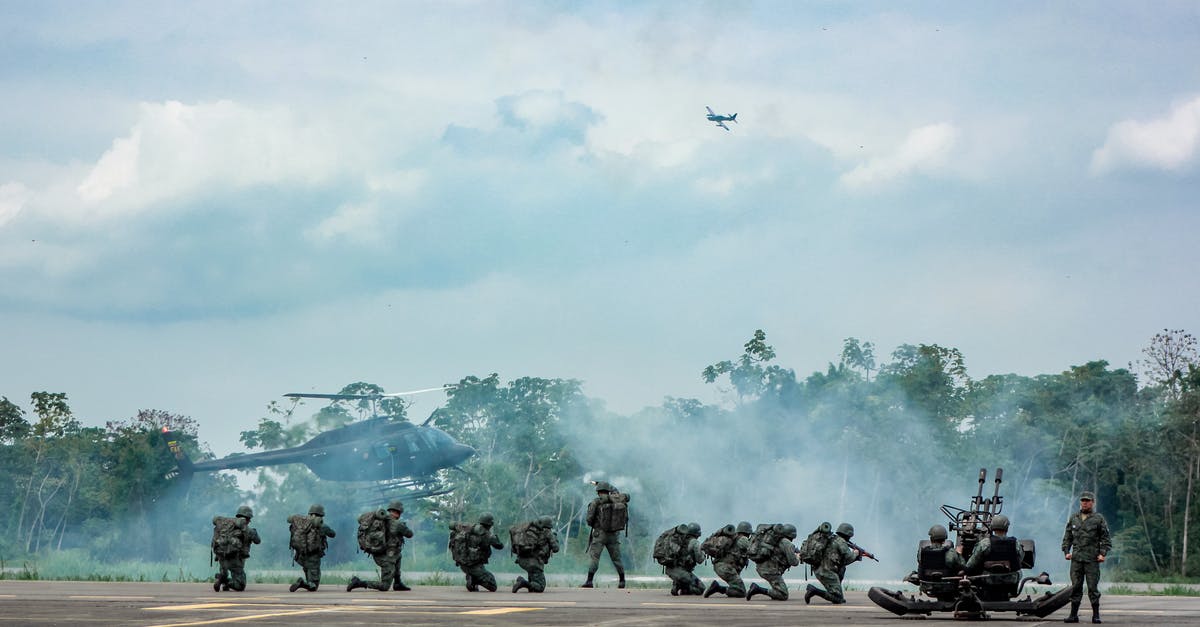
<point>185,604</point>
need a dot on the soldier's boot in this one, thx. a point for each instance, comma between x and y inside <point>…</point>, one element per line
<point>620,578</point>
<point>400,587</point>
<point>588,583</point>
<point>813,591</point>
<point>755,589</point>
<point>355,583</point>
<point>299,583</point>
<point>1074,616</point>
<point>1096,612</point>
<point>218,582</point>
<point>520,583</point>
<point>714,588</point>
<point>312,587</point>
<point>674,589</point>
<point>472,585</point>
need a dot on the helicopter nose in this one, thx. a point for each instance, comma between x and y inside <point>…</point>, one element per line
<point>460,453</point>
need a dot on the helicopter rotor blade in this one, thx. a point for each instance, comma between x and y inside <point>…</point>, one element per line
<point>333,397</point>
<point>410,392</point>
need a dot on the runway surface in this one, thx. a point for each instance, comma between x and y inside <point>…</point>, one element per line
<point>180,604</point>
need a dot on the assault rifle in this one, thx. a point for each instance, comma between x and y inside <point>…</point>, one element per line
<point>865,553</point>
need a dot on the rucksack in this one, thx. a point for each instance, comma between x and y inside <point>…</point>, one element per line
<point>613,513</point>
<point>523,538</point>
<point>306,536</point>
<point>812,550</point>
<point>228,536</point>
<point>670,545</point>
<point>460,545</point>
<point>372,532</point>
<point>764,540</point>
<point>720,543</point>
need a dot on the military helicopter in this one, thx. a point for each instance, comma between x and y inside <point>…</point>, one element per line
<point>972,595</point>
<point>395,455</point>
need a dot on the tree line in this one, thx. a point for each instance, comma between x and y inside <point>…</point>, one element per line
<point>885,438</point>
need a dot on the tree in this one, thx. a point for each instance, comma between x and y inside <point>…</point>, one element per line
<point>750,375</point>
<point>1168,357</point>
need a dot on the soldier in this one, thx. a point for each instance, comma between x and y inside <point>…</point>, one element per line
<point>998,556</point>
<point>388,556</point>
<point>481,541</point>
<point>533,556</point>
<point>780,557</point>
<point>679,558</point>
<point>232,538</point>
<point>729,562</point>
<point>309,539</point>
<point>607,515</point>
<point>1085,543</point>
<point>833,567</point>
<point>939,556</point>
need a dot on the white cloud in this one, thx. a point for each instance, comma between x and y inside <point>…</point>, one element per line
<point>176,149</point>
<point>351,222</point>
<point>924,150</point>
<point>13,197</point>
<point>1167,143</point>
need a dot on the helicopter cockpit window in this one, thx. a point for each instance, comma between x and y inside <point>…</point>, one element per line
<point>410,439</point>
<point>437,437</point>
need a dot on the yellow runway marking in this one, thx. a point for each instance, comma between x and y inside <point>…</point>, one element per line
<point>195,606</point>
<point>502,610</point>
<point>101,597</point>
<point>235,619</point>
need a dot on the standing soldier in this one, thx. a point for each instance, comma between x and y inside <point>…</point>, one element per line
<point>471,547</point>
<point>231,542</point>
<point>833,567</point>
<point>533,543</point>
<point>309,539</point>
<point>607,515</point>
<point>381,534</point>
<point>772,556</point>
<point>1085,543</point>
<point>729,549</point>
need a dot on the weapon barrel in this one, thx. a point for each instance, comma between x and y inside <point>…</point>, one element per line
<point>996,494</point>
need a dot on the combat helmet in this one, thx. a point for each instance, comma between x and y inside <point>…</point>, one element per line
<point>999,523</point>
<point>604,486</point>
<point>744,527</point>
<point>397,506</point>
<point>846,530</point>
<point>938,533</point>
<point>245,512</point>
<point>789,532</point>
<point>316,510</point>
<point>693,529</point>
<point>486,519</point>
<point>545,522</point>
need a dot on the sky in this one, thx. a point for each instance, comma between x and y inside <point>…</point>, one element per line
<point>204,206</point>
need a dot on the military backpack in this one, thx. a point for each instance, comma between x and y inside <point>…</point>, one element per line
<point>463,546</point>
<point>764,540</point>
<point>613,512</point>
<point>720,543</point>
<point>671,546</point>
<point>229,536</point>
<point>372,532</point>
<point>523,538</point>
<point>814,547</point>
<point>306,536</point>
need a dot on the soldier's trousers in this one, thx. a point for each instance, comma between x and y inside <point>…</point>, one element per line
<point>832,583</point>
<point>234,571</point>
<point>684,580</point>
<point>311,564</point>
<point>731,575</point>
<point>389,571</point>
<point>536,570</point>
<point>601,540</point>
<point>1089,572</point>
<point>478,574</point>
<point>778,590</point>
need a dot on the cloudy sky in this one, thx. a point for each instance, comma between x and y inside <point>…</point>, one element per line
<point>204,206</point>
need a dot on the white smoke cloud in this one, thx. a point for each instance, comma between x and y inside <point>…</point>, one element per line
<point>925,150</point>
<point>13,197</point>
<point>1166,143</point>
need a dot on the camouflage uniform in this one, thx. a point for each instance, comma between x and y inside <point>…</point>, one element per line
<point>534,562</point>
<point>729,567</point>
<point>311,562</point>
<point>772,569</point>
<point>476,571</point>
<point>389,560</point>
<point>683,580</point>
<point>232,573</point>
<point>1085,540</point>
<point>985,549</point>
<point>599,540</point>
<point>833,567</point>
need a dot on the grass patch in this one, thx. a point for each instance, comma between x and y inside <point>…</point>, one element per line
<point>1168,590</point>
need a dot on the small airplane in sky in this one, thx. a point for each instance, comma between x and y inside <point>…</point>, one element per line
<point>720,119</point>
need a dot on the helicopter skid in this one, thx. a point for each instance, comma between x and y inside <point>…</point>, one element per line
<point>900,604</point>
